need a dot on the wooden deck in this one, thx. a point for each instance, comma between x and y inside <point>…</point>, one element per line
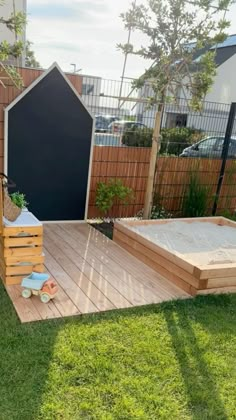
<point>94,275</point>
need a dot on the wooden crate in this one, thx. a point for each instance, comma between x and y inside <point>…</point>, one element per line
<point>21,249</point>
<point>193,278</point>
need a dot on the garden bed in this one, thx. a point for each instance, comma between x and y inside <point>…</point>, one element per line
<point>105,227</point>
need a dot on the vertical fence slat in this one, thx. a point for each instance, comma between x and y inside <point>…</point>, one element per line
<point>172,178</point>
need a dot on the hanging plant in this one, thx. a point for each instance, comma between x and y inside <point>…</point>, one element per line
<point>19,200</point>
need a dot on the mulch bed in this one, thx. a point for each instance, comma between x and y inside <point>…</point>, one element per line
<point>105,227</point>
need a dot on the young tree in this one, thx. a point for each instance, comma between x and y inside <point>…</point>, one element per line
<point>15,23</point>
<point>30,59</point>
<point>175,31</point>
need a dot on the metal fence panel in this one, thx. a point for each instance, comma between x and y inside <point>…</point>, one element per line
<point>123,137</point>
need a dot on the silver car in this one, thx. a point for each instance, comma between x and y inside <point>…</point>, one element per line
<point>210,147</point>
<point>102,122</point>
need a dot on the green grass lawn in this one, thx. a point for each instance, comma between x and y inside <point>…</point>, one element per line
<point>173,361</point>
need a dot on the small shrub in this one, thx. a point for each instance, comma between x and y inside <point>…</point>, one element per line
<point>158,210</point>
<point>175,140</point>
<point>109,193</point>
<point>229,215</point>
<point>19,199</point>
<point>195,203</point>
<point>138,137</point>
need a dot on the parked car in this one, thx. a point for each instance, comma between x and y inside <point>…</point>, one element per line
<point>210,147</point>
<point>102,122</point>
<point>122,126</point>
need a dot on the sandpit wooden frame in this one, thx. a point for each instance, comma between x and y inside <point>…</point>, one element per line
<point>193,278</point>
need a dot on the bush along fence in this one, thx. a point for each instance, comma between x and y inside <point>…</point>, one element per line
<point>173,140</point>
<point>177,179</point>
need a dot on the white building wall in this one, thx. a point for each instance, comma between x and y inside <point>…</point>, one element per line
<point>224,88</point>
<point>5,11</point>
<point>210,120</point>
<point>214,117</point>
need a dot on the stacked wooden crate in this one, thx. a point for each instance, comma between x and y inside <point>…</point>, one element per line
<point>21,249</point>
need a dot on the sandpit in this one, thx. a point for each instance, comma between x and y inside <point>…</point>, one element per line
<point>198,255</point>
<point>198,242</point>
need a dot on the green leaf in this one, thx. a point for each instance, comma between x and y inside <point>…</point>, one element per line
<point>175,30</point>
<point>109,193</point>
<point>19,199</point>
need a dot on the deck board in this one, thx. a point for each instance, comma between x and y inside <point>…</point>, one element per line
<point>76,294</point>
<point>88,270</point>
<point>136,293</point>
<point>94,294</point>
<point>26,312</point>
<point>93,274</point>
<point>136,267</point>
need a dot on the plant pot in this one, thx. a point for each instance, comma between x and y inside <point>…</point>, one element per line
<point>10,210</point>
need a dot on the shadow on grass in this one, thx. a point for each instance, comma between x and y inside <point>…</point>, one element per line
<point>203,397</point>
<point>25,354</point>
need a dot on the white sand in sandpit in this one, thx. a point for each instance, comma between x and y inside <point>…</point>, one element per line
<point>198,242</point>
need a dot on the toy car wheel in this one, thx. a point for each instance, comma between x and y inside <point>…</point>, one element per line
<point>45,298</point>
<point>26,293</point>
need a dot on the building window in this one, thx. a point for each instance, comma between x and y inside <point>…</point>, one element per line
<point>181,120</point>
<point>176,120</point>
<point>87,89</point>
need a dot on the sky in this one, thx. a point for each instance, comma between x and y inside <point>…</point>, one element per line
<point>85,32</point>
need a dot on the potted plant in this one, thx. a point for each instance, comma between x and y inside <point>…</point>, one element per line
<point>19,200</point>
<point>108,194</point>
<point>13,205</point>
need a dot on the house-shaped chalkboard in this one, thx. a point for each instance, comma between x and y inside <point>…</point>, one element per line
<point>48,147</point>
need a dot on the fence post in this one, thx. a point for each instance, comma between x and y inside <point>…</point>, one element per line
<point>224,156</point>
<point>152,167</point>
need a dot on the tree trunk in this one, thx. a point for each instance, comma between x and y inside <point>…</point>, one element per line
<point>152,168</point>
